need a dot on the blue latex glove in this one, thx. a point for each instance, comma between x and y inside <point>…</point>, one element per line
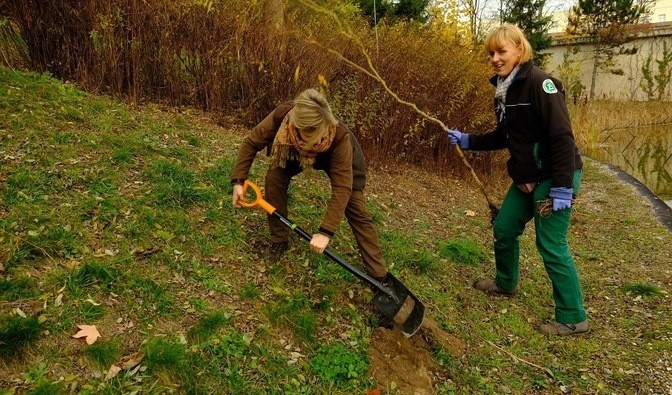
<point>562,197</point>
<point>455,136</point>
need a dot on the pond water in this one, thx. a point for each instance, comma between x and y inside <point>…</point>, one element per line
<point>644,152</point>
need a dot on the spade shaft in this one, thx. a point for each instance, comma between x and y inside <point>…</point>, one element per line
<point>393,300</point>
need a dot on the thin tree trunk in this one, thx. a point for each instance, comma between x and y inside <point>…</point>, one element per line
<point>274,15</point>
<point>596,64</point>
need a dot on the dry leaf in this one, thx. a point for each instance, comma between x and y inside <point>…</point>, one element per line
<point>148,251</point>
<point>88,331</point>
<point>20,312</point>
<point>470,213</point>
<point>113,372</point>
<point>93,302</point>
<point>132,360</point>
<point>59,300</point>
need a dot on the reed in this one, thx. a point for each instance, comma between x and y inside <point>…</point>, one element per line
<point>225,55</point>
<point>592,120</point>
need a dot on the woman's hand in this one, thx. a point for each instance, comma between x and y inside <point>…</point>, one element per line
<point>237,195</point>
<point>319,242</point>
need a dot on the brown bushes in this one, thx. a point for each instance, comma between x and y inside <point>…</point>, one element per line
<point>225,55</point>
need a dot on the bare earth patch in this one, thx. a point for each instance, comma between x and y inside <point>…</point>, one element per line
<point>407,364</point>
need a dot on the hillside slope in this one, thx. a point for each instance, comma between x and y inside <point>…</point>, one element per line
<point>120,217</point>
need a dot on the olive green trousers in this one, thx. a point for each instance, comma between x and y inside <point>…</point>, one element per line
<point>517,210</point>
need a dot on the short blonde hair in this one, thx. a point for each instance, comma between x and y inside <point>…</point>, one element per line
<point>499,36</point>
<point>312,113</point>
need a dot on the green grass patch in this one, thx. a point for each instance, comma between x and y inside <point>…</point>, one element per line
<point>295,311</point>
<point>88,312</point>
<point>18,288</point>
<point>16,333</point>
<point>209,325</point>
<point>47,240</point>
<point>210,277</point>
<point>104,353</point>
<point>45,387</point>
<point>463,251</point>
<point>173,184</point>
<point>232,351</point>
<point>164,354</point>
<point>402,251</point>
<point>91,274</point>
<point>153,298</point>
<point>249,291</point>
<point>641,289</point>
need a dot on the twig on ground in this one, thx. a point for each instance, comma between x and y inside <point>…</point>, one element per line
<point>518,359</point>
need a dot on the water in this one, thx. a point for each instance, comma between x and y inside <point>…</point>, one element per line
<point>644,152</point>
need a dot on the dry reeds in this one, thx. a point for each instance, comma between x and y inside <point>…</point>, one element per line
<point>227,55</point>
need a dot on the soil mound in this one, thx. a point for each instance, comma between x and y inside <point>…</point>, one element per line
<point>408,364</point>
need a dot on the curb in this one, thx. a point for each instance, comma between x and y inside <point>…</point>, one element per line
<point>662,211</point>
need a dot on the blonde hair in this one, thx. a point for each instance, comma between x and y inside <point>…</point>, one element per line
<point>498,37</point>
<point>312,114</point>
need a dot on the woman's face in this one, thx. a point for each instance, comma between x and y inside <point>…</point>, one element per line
<point>505,59</point>
<point>305,134</point>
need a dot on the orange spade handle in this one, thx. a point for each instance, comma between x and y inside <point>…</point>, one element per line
<point>259,201</point>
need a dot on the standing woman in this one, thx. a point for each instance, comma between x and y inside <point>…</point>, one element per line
<point>304,134</point>
<point>533,124</point>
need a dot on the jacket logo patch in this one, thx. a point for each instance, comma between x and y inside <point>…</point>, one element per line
<point>549,86</point>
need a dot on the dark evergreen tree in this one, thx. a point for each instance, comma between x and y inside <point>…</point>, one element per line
<point>395,10</point>
<point>529,16</point>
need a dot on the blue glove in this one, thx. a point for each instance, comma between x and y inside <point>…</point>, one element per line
<point>455,136</point>
<point>562,197</point>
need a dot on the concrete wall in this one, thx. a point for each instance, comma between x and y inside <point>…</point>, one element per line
<point>609,85</point>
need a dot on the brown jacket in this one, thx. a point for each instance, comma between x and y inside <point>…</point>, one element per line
<point>343,162</point>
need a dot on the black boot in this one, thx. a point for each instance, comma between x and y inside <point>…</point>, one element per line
<point>275,252</point>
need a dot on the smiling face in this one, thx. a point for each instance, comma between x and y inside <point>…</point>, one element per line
<point>505,58</point>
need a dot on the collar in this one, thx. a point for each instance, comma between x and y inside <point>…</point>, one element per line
<point>523,71</point>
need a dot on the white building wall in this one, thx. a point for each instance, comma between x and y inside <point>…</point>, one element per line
<point>625,86</point>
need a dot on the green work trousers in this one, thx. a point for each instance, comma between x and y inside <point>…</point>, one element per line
<point>517,210</point>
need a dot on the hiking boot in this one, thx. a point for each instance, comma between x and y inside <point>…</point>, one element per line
<point>275,252</point>
<point>490,287</point>
<point>560,329</point>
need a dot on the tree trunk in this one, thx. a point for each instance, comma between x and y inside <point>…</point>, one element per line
<point>596,65</point>
<point>274,16</point>
<point>274,20</point>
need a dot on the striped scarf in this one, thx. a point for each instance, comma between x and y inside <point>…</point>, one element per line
<point>288,146</point>
<point>503,85</point>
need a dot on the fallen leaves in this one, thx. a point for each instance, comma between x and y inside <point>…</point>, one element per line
<point>20,313</point>
<point>147,251</point>
<point>113,372</point>
<point>128,362</point>
<point>88,331</point>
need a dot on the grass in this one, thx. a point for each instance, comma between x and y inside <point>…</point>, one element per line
<point>128,208</point>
